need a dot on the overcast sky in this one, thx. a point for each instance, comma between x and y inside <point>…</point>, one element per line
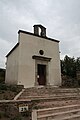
<point>60,17</point>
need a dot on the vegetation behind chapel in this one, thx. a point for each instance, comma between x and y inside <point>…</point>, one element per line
<point>70,69</point>
<point>70,66</point>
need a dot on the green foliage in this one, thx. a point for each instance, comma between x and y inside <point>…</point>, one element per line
<point>2,75</point>
<point>16,118</point>
<point>13,88</point>
<point>3,87</point>
<point>9,91</point>
<point>69,66</point>
<point>78,63</point>
<point>1,115</point>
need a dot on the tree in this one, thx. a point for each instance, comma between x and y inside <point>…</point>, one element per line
<point>2,75</point>
<point>78,63</point>
<point>68,66</point>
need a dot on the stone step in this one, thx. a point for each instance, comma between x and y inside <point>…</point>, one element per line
<point>60,115</point>
<point>50,91</point>
<point>50,94</point>
<point>73,117</point>
<point>57,109</point>
<point>50,97</point>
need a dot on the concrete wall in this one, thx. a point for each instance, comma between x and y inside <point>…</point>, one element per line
<point>12,67</point>
<point>29,46</point>
<point>21,67</point>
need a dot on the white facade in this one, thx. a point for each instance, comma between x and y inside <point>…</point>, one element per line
<point>27,66</point>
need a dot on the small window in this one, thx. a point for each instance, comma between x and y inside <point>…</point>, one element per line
<point>41,52</point>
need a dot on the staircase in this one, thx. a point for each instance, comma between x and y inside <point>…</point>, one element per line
<point>70,112</point>
<point>50,92</point>
<point>53,103</point>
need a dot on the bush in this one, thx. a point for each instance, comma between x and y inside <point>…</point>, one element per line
<point>16,118</point>
<point>2,75</point>
<point>1,115</point>
<point>13,88</point>
<point>3,87</point>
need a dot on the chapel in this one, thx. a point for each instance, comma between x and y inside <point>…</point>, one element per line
<point>34,60</point>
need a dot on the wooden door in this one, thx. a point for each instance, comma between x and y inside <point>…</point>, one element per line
<point>41,74</point>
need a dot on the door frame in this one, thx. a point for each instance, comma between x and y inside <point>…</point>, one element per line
<point>42,62</point>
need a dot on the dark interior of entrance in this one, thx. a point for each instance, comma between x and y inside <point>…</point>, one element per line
<point>41,74</point>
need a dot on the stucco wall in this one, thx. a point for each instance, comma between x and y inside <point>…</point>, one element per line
<point>12,67</point>
<point>29,46</point>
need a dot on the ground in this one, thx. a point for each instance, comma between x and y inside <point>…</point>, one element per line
<point>8,92</point>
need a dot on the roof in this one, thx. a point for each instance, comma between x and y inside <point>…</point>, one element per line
<point>12,49</point>
<point>22,31</point>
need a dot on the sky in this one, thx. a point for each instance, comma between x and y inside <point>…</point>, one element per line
<point>60,17</point>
